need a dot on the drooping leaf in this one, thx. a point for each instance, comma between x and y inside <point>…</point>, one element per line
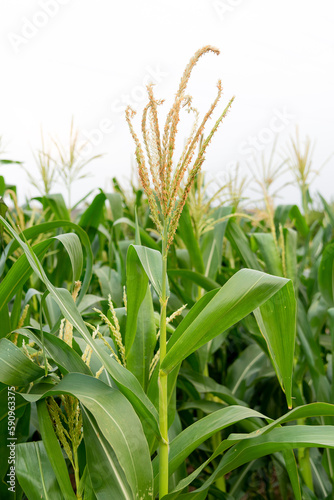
<point>277,322</point>
<point>15,367</point>
<point>125,435</point>
<point>35,231</point>
<point>151,260</point>
<point>242,294</point>
<point>194,435</point>
<point>73,247</point>
<point>247,447</point>
<point>125,380</point>
<point>57,350</point>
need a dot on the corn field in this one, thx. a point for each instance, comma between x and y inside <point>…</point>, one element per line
<point>163,341</point>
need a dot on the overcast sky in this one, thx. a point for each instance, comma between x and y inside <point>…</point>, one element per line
<point>87,59</point>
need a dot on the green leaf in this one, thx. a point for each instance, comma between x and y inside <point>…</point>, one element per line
<point>145,238</point>
<point>200,280</point>
<point>35,473</point>
<point>124,379</point>
<point>241,373</point>
<point>73,247</point>
<point>212,245</point>
<point>125,435</point>
<point>284,438</point>
<point>46,227</point>
<point>240,243</point>
<point>54,451</point>
<point>116,205</point>
<point>301,412</point>
<point>244,292</point>
<point>58,350</point>
<point>5,320</point>
<point>269,252</point>
<point>15,367</point>
<point>92,216</point>
<point>326,274</point>
<point>151,260</point>
<point>107,477</point>
<point>194,435</point>
<point>58,206</point>
<point>206,385</point>
<point>139,357</point>
<point>292,212</point>
<point>290,242</point>
<point>136,284</point>
<point>194,495</point>
<point>3,206</point>
<point>297,441</point>
<point>110,283</point>
<point>277,322</point>
<point>186,233</point>
<point>19,273</point>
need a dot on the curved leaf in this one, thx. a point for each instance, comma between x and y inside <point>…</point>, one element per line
<point>245,291</point>
<point>151,260</point>
<point>125,435</point>
<point>194,435</point>
<point>125,380</point>
<point>72,245</point>
<point>46,227</point>
<point>15,367</point>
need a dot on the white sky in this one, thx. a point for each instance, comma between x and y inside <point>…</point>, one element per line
<point>86,58</point>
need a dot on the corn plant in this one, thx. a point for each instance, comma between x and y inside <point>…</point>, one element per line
<point>115,337</point>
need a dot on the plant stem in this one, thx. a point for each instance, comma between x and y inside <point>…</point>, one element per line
<point>216,440</point>
<point>304,462</point>
<point>76,473</point>
<point>163,396</point>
